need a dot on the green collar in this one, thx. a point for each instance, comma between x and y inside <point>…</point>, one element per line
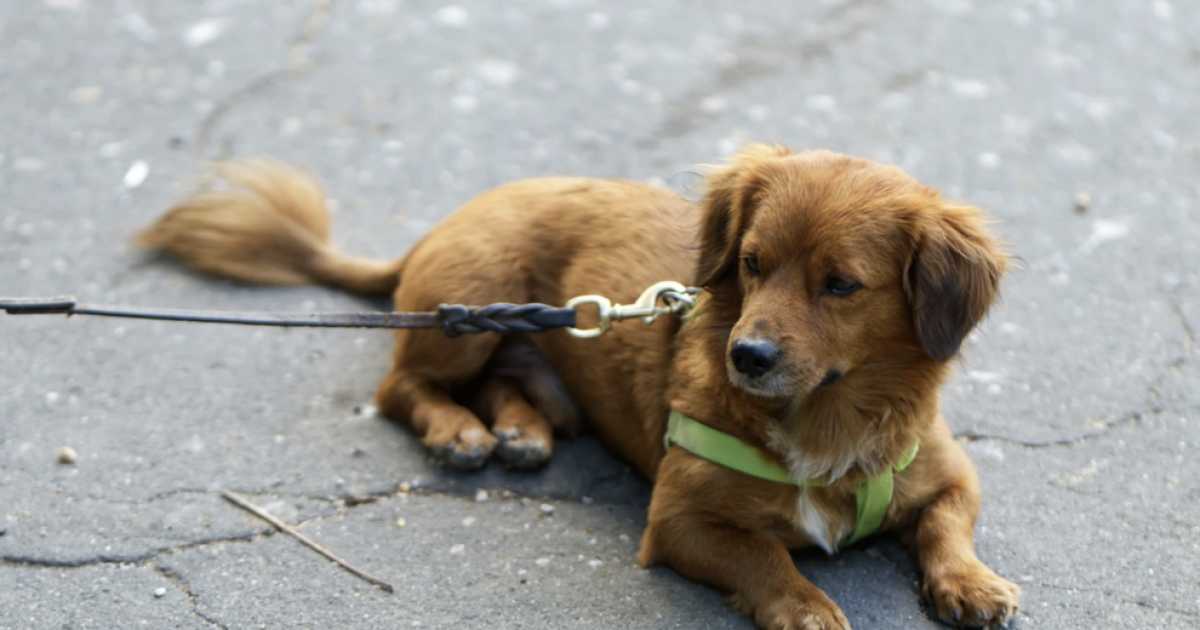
<point>873,496</point>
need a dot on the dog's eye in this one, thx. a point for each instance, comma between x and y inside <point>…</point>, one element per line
<point>751,264</point>
<point>837,285</point>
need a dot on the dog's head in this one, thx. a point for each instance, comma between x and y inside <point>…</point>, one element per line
<point>820,264</point>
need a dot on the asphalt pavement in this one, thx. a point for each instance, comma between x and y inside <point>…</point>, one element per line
<point>1074,123</point>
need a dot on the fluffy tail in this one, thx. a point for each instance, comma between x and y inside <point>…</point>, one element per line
<point>267,224</point>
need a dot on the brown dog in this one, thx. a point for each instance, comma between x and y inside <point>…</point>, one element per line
<point>837,291</point>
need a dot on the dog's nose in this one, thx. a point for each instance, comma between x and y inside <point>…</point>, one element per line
<point>754,357</point>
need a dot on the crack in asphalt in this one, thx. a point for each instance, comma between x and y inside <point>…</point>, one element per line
<point>18,560</point>
<point>1120,421</point>
<point>1157,608</point>
<point>1109,593</point>
<point>684,113</point>
<point>298,62</point>
<point>1154,394</point>
<point>1184,324</point>
<point>344,505</point>
<point>1152,407</point>
<point>181,583</point>
<point>166,494</point>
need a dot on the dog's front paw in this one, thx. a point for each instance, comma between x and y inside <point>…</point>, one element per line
<point>796,612</point>
<point>523,449</point>
<point>467,448</point>
<point>973,598</point>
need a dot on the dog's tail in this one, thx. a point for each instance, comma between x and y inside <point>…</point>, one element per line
<point>267,223</point>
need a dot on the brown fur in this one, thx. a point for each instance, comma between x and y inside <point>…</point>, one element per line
<point>855,384</point>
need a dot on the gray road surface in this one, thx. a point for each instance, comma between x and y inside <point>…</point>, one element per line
<point>1079,399</point>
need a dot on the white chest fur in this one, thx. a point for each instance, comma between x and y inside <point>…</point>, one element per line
<point>822,524</point>
<point>823,527</point>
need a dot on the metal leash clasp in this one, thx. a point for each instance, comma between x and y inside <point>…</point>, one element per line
<point>675,297</point>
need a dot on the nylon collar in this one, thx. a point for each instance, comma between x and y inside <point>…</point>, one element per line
<point>872,498</point>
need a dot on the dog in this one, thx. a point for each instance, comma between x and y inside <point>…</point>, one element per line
<point>837,292</point>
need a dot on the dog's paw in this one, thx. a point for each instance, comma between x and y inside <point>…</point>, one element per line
<point>469,448</point>
<point>973,598</point>
<point>816,612</point>
<point>520,450</point>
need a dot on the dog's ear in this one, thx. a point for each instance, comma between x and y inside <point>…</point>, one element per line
<point>729,201</point>
<point>953,276</point>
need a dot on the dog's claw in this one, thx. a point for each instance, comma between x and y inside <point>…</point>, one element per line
<point>505,435</point>
<point>520,451</point>
<point>469,450</point>
<point>467,460</point>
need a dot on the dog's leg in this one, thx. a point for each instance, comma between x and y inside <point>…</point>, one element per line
<point>753,569</point>
<point>526,438</point>
<point>964,591</point>
<point>417,391</point>
<point>447,429</point>
<point>519,359</point>
<point>688,532</point>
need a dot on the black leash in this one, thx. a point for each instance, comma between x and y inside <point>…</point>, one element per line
<point>452,319</point>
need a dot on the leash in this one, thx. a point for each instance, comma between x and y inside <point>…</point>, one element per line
<point>452,319</point>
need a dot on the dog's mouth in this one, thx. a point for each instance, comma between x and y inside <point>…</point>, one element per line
<point>774,387</point>
<point>768,387</point>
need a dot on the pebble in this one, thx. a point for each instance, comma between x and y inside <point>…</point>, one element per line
<point>1104,231</point>
<point>464,103</point>
<point>970,88</point>
<point>453,16</point>
<point>67,455</point>
<point>1081,201</point>
<point>160,591</point>
<point>595,564</point>
<point>523,575</point>
<point>458,549</point>
<point>111,150</point>
<point>29,164</point>
<point>205,31</point>
<point>139,26</point>
<point>85,94</point>
<point>292,125</point>
<point>713,104</point>
<point>481,496</point>
<point>376,8</point>
<point>405,486</point>
<point>821,103</point>
<point>546,509</point>
<point>400,522</point>
<point>136,174</point>
<point>498,71</point>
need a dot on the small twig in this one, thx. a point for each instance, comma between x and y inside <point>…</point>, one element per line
<point>291,531</point>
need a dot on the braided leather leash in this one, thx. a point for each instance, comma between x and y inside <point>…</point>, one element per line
<point>452,319</point>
